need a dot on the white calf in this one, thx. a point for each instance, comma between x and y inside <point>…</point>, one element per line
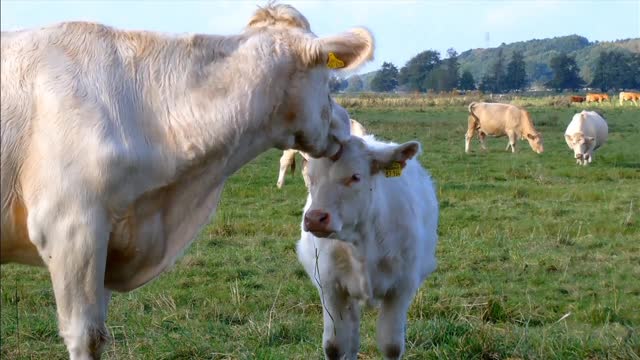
<point>369,233</point>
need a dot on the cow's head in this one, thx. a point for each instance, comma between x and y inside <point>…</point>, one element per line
<point>581,145</point>
<point>306,118</point>
<point>535,141</point>
<point>340,192</point>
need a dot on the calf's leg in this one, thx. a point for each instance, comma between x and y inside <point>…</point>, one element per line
<point>341,314</point>
<point>392,321</point>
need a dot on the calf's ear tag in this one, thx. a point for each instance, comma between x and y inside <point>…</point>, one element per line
<point>393,170</point>
<point>333,62</point>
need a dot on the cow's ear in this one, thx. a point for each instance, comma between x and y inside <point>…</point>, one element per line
<point>532,136</point>
<point>569,138</point>
<point>589,139</point>
<point>346,51</point>
<point>385,157</point>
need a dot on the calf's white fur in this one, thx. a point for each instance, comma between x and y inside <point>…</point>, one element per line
<point>378,246</point>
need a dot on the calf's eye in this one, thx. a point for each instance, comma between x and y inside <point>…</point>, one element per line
<point>352,179</point>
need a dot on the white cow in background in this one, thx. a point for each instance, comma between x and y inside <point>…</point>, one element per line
<point>586,132</point>
<point>369,234</point>
<point>116,144</point>
<point>288,158</point>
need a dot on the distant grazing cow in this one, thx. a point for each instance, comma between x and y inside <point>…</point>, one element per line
<point>288,158</point>
<point>577,99</point>
<point>495,119</point>
<point>116,144</point>
<point>369,235</point>
<point>596,98</point>
<point>586,132</point>
<point>629,96</point>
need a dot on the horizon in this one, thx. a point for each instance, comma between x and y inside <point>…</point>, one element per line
<point>497,22</point>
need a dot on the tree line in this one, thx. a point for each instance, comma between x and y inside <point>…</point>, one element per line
<point>427,71</point>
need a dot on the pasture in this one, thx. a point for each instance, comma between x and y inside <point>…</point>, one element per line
<point>538,257</point>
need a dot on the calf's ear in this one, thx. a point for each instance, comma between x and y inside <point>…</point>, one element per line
<point>383,158</point>
<point>345,51</point>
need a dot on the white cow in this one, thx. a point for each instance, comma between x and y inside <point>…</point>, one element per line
<point>586,132</point>
<point>368,235</point>
<point>288,158</point>
<point>116,144</point>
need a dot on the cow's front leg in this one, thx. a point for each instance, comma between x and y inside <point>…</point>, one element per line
<point>72,240</point>
<point>392,322</point>
<point>341,336</point>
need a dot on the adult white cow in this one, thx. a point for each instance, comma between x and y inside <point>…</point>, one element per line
<point>116,144</point>
<point>369,233</point>
<point>586,132</point>
<point>288,158</point>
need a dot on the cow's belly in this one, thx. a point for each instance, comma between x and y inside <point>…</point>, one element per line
<point>156,229</point>
<point>493,131</point>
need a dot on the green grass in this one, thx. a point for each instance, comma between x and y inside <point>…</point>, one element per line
<point>538,258</point>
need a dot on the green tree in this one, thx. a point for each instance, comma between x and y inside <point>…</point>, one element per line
<point>386,79</point>
<point>566,74</point>
<point>355,84</point>
<point>614,70</point>
<point>494,79</point>
<point>436,79</point>
<point>452,70</point>
<point>466,81</point>
<point>516,77</point>
<point>414,73</point>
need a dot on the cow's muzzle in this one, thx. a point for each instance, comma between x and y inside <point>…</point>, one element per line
<point>317,222</point>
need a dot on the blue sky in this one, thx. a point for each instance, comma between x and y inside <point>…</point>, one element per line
<point>402,28</point>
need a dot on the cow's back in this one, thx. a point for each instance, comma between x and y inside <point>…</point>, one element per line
<point>496,119</point>
<point>591,124</point>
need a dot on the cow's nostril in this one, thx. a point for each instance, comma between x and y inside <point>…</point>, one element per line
<point>324,218</point>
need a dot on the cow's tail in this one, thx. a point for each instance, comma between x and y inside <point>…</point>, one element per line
<point>474,121</point>
<point>471,108</point>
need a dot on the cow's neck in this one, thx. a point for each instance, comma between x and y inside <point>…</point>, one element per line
<point>215,113</point>
<point>214,126</point>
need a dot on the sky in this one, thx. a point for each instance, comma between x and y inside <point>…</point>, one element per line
<point>401,28</point>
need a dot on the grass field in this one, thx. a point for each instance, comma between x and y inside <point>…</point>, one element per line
<point>538,259</point>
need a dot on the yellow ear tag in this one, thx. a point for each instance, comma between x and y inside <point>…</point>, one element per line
<point>334,62</point>
<point>394,170</point>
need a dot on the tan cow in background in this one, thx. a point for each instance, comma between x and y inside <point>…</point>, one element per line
<point>634,97</point>
<point>497,120</point>
<point>288,158</point>
<point>116,144</point>
<point>596,98</point>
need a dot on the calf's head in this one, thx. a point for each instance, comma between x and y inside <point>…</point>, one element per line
<point>341,191</point>
<point>306,118</point>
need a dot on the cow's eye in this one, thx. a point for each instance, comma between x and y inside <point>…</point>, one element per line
<point>352,179</point>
